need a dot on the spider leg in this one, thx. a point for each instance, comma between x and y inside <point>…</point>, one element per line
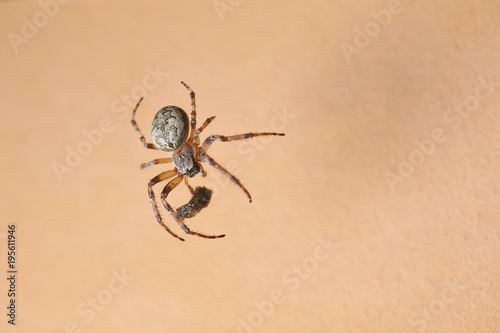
<point>208,141</point>
<point>168,188</point>
<point>188,186</point>
<point>193,109</point>
<point>162,176</point>
<point>203,172</point>
<point>205,158</point>
<point>205,124</point>
<point>134,123</point>
<point>156,161</point>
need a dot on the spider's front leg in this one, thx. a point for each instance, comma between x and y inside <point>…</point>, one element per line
<point>190,188</point>
<point>204,157</point>
<point>161,177</point>
<point>168,188</point>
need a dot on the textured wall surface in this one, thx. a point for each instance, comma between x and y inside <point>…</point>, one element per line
<point>377,212</point>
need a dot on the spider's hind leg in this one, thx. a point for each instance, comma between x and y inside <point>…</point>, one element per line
<point>205,124</point>
<point>138,130</point>
<point>193,108</point>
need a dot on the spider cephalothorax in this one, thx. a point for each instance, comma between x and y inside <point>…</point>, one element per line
<point>170,132</point>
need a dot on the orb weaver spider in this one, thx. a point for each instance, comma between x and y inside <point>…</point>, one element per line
<point>170,133</point>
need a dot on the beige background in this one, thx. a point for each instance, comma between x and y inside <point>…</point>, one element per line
<point>419,256</point>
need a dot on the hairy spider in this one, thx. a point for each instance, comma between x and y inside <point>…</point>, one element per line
<point>170,133</point>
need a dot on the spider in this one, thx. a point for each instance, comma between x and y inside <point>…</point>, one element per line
<point>170,133</point>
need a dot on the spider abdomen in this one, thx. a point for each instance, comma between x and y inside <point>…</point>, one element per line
<point>170,128</point>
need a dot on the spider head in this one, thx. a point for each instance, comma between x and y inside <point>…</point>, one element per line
<point>170,128</point>
<point>193,171</point>
<point>186,161</point>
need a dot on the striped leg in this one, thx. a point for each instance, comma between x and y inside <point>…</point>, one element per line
<point>193,108</point>
<point>203,172</point>
<point>161,177</point>
<point>168,188</point>
<point>134,123</point>
<point>156,161</point>
<point>205,124</point>
<point>208,141</point>
<point>188,186</point>
<point>205,158</point>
